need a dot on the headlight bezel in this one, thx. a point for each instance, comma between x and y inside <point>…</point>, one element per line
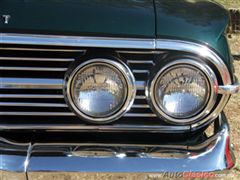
<point>211,78</point>
<point>123,70</point>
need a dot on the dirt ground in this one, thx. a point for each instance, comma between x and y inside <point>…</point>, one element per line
<point>232,109</point>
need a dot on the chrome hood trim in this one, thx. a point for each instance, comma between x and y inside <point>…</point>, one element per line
<point>77,41</point>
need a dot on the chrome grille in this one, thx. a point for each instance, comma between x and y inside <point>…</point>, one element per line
<point>31,80</point>
<point>31,87</point>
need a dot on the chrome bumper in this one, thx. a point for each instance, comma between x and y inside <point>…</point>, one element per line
<point>45,161</point>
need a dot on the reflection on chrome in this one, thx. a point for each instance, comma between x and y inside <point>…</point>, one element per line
<point>182,91</point>
<point>176,85</point>
<point>100,90</point>
<point>108,157</point>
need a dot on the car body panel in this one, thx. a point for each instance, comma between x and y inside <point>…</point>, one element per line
<point>80,17</point>
<point>201,21</point>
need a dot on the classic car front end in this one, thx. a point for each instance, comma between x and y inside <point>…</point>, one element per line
<point>113,86</point>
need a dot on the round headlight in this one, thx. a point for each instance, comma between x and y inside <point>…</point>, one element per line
<point>182,90</point>
<point>101,90</point>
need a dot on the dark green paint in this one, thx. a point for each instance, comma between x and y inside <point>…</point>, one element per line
<point>124,18</point>
<point>193,20</point>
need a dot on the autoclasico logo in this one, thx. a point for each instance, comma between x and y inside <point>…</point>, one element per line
<point>189,175</point>
<point>6,18</point>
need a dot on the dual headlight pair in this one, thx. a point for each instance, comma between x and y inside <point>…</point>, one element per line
<point>102,90</point>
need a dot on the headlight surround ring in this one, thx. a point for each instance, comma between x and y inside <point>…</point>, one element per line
<point>120,69</point>
<point>213,85</point>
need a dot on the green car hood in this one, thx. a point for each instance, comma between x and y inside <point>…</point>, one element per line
<point>194,20</point>
<point>119,18</point>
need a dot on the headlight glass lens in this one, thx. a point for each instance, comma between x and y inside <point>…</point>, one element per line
<point>182,91</point>
<point>99,90</point>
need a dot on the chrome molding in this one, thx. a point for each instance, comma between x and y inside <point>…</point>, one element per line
<point>15,113</point>
<point>140,62</point>
<point>100,128</point>
<point>11,68</point>
<point>140,97</point>
<point>140,85</point>
<point>77,41</point>
<point>202,51</point>
<point>30,83</point>
<point>140,106</point>
<point>140,115</point>
<point>229,89</point>
<point>23,104</point>
<point>36,59</point>
<point>41,49</point>
<point>32,96</point>
<point>140,71</point>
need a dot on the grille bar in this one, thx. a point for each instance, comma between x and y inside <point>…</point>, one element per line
<point>140,106</point>
<point>83,127</point>
<point>21,104</point>
<point>140,71</point>
<point>32,96</point>
<point>37,59</point>
<point>16,113</point>
<point>31,69</point>
<point>140,97</point>
<point>30,83</point>
<point>140,85</point>
<point>140,115</point>
<point>41,49</point>
<point>140,62</point>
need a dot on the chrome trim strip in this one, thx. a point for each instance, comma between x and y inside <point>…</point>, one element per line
<point>213,58</point>
<point>13,113</point>
<point>198,49</point>
<point>16,113</point>
<point>140,115</point>
<point>229,89</point>
<point>140,97</point>
<point>140,85</point>
<point>41,49</point>
<point>127,127</point>
<point>140,62</point>
<point>32,96</point>
<point>140,71</point>
<point>54,40</point>
<point>37,59</point>
<point>140,106</point>
<point>138,52</point>
<point>9,68</point>
<point>30,83</point>
<point>34,104</point>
